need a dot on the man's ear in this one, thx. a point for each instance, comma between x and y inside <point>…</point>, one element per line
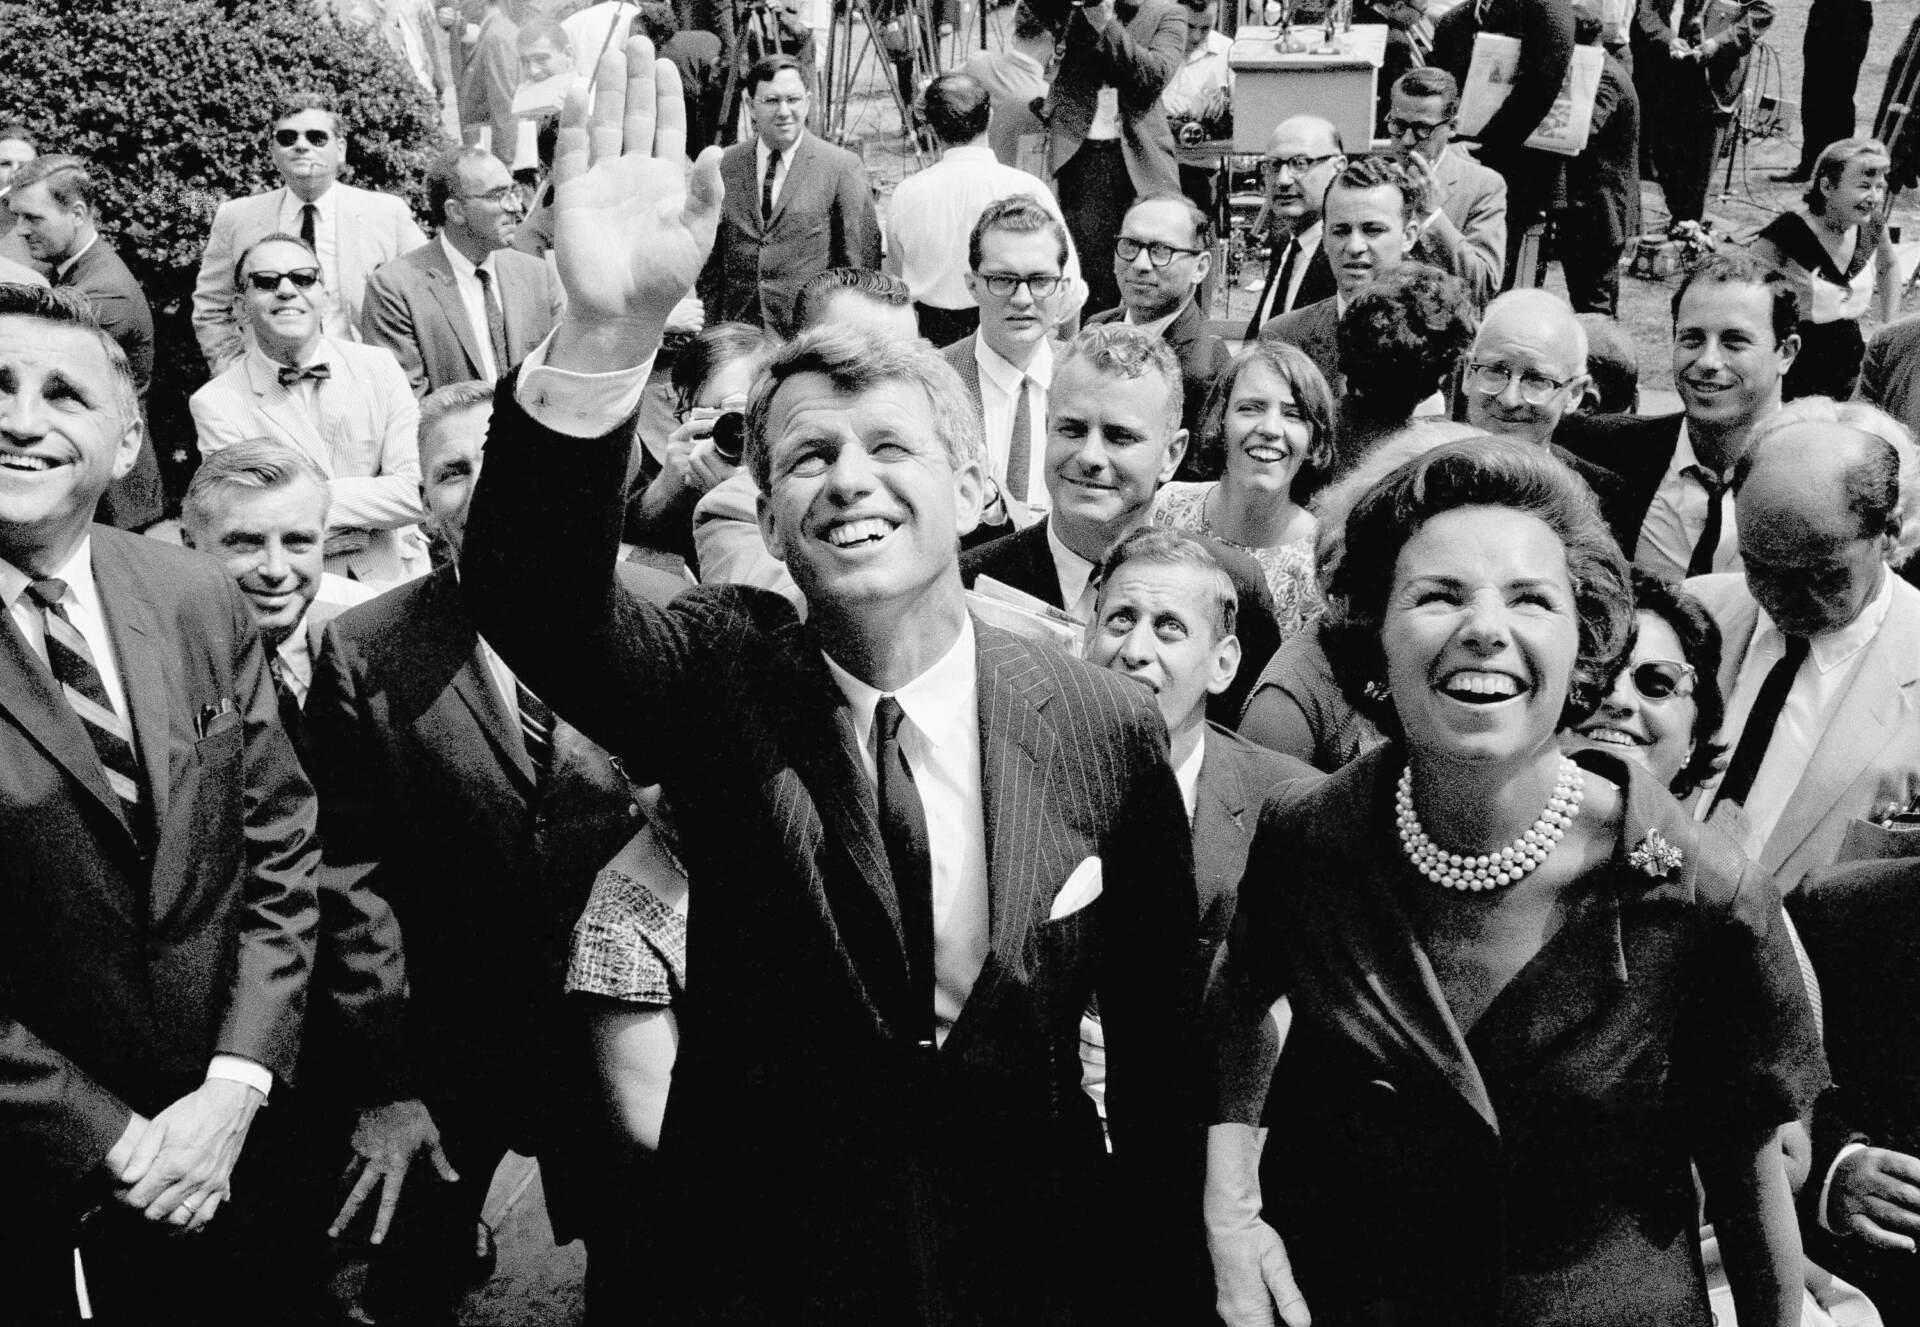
<point>1176,451</point>
<point>128,451</point>
<point>1789,351</point>
<point>769,527</point>
<point>1226,664</point>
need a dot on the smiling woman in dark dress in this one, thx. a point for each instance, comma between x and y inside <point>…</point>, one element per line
<point>1523,995</point>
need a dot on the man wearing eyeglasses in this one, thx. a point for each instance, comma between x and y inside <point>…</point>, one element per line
<point>352,231</point>
<point>1465,229</point>
<point>345,406</point>
<point>464,305</point>
<point>1164,252</point>
<point>1303,156</point>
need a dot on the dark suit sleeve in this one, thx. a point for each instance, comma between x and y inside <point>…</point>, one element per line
<point>54,1118</point>
<point>360,979</point>
<point>1139,70</point>
<point>1546,49</point>
<point>856,224</point>
<point>386,320</point>
<point>266,1007</point>
<point>123,314</point>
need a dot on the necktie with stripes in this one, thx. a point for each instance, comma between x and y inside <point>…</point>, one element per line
<point>74,669</point>
<point>536,728</point>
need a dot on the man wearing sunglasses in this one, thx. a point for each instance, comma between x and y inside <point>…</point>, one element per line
<point>1465,229</point>
<point>351,230</point>
<point>344,406</point>
<point>464,305</point>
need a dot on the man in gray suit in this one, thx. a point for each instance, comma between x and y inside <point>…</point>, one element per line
<point>919,845</point>
<point>352,230</point>
<point>464,305</point>
<point>1464,230</point>
<point>795,207</point>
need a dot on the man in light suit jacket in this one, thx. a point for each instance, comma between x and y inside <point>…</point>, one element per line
<point>352,230</point>
<point>1108,141</point>
<point>430,307</point>
<point>1464,230</point>
<point>795,206</point>
<point>156,893</point>
<point>53,199</point>
<point>1821,514</point>
<point>346,407</point>
<point>927,1165</point>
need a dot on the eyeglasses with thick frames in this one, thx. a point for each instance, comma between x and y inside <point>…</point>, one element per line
<point>1158,255</point>
<point>1492,379</point>
<point>1003,284</point>
<point>504,196</point>
<point>303,278</point>
<point>1294,166</point>
<point>1660,679</point>
<point>1422,132</point>
<point>317,137</point>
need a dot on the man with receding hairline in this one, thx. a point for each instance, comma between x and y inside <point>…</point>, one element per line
<point>1303,156</point>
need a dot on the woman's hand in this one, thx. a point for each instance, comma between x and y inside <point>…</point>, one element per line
<point>1876,1195</point>
<point>1252,1276</point>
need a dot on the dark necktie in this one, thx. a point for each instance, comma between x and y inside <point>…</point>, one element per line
<point>1273,300</point>
<point>903,827</point>
<point>496,322</point>
<point>284,693</point>
<point>309,223</point>
<point>291,375</point>
<point>766,185</point>
<point>1752,748</point>
<point>1702,560</point>
<point>1020,445</point>
<point>73,668</point>
<point>536,729</point>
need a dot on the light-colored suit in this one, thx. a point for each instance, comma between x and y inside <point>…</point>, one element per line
<point>1476,204</point>
<point>727,542</point>
<point>414,308</point>
<point>373,228</point>
<point>1870,752</point>
<point>364,442</point>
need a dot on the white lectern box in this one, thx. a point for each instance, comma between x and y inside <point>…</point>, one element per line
<point>1334,81</point>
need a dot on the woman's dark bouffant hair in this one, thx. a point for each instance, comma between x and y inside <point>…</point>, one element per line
<point>1403,336</point>
<point>1475,472</point>
<point>1700,647</point>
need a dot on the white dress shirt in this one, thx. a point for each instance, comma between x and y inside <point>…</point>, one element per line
<point>1205,70</point>
<point>999,380</point>
<point>1283,301</point>
<point>760,152</point>
<point>590,31</point>
<point>1106,116</point>
<point>1677,517</point>
<point>296,658</point>
<point>60,271</point>
<point>88,615</point>
<point>326,245</point>
<point>1077,590</point>
<point>1833,659</point>
<point>1187,775</point>
<point>475,300</point>
<point>941,738</point>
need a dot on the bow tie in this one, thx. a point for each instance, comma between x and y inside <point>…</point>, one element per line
<point>289,375</point>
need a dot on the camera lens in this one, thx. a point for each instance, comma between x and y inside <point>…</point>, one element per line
<point>730,436</point>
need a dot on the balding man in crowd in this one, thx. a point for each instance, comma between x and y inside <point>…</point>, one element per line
<point>53,197</point>
<point>1303,156</point>
<point>464,305</point>
<point>1822,640</point>
<point>876,825</point>
<point>1372,218</point>
<point>158,872</point>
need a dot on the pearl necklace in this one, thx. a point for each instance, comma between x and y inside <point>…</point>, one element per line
<point>1490,870</point>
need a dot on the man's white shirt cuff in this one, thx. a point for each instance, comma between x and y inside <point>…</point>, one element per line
<point>239,1069</point>
<point>1826,1187</point>
<point>580,405</point>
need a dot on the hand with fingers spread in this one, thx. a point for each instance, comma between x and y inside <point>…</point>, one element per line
<point>632,224</point>
<point>386,1141</point>
<point>1876,1195</point>
<point>179,1167</point>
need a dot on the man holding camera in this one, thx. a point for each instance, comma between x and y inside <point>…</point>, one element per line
<point>1108,141</point>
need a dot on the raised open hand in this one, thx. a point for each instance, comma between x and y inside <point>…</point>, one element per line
<point>632,225</point>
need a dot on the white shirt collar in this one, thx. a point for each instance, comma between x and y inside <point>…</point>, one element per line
<point>936,702</point>
<point>315,355</point>
<point>464,266</point>
<point>65,267</point>
<point>1158,327</point>
<point>969,152</point>
<point>761,151</point>
<point>1309,239</point>
<point>1187,774</point>
<point>1072,570</point>
<point>297,653</point>
<point>1830,649</point>
<point>1001,372</point>
<point>327,203</point>
<point>76,571</point>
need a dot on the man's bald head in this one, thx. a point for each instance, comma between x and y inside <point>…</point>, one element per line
<point>1304,153</point>
<point>1530,345</point>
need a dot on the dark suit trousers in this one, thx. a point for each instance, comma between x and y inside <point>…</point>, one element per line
<point>1833,50</point>
<point>1095,192</point>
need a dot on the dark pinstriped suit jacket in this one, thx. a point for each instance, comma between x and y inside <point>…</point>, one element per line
<point>818,1166</point>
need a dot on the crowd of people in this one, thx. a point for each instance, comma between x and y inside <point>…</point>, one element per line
<point>924,783</point>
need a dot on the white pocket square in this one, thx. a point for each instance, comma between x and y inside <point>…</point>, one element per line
<point>1082,888</point>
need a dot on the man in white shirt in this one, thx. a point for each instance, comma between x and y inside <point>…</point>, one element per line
<point>1822,640</point>
<point>1303,156</point>
<point>932,213</point>
<point>464,305</point>
<point>352,231</point>
<point>345,406</point>
<point>1198,103</point>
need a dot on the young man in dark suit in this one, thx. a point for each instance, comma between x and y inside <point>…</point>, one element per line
<point>157,925</point>
<point>795,206</point>
<point>916,846</point>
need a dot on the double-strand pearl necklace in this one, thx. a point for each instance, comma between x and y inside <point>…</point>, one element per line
<point>1490,870</point>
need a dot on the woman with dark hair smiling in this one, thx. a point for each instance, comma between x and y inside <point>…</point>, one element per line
<point>1525,996</point>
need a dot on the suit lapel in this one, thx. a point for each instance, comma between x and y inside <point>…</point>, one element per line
<point>796,177</point>
<point>453,307</point>
<point>140,654</point>
<point>443,617</point>
<point>278,405</point>
<point>1220,830</point>
<point>1016,743</point>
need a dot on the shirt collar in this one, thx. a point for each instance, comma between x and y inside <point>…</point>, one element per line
<point>1158,327</point>
<point>76,571</point>
<point>67,266</point>
<point>1072,570</point>
<point>1001,372</point>
<point>936,702</point>
<point>1830,649</point>
<point>1309,239</point>
<point>969,152</point>
<point>297,653</point>
<point>1187,775</point>
<point>327,203</point>
<point>463,265</point>
<point>1684,456</point>
<point>761,151</point>
<point>263,361</point>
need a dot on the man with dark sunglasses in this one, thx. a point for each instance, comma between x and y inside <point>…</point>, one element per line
<point>351,230</point>
<point>1465,229</point>
<point>346,407</point>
